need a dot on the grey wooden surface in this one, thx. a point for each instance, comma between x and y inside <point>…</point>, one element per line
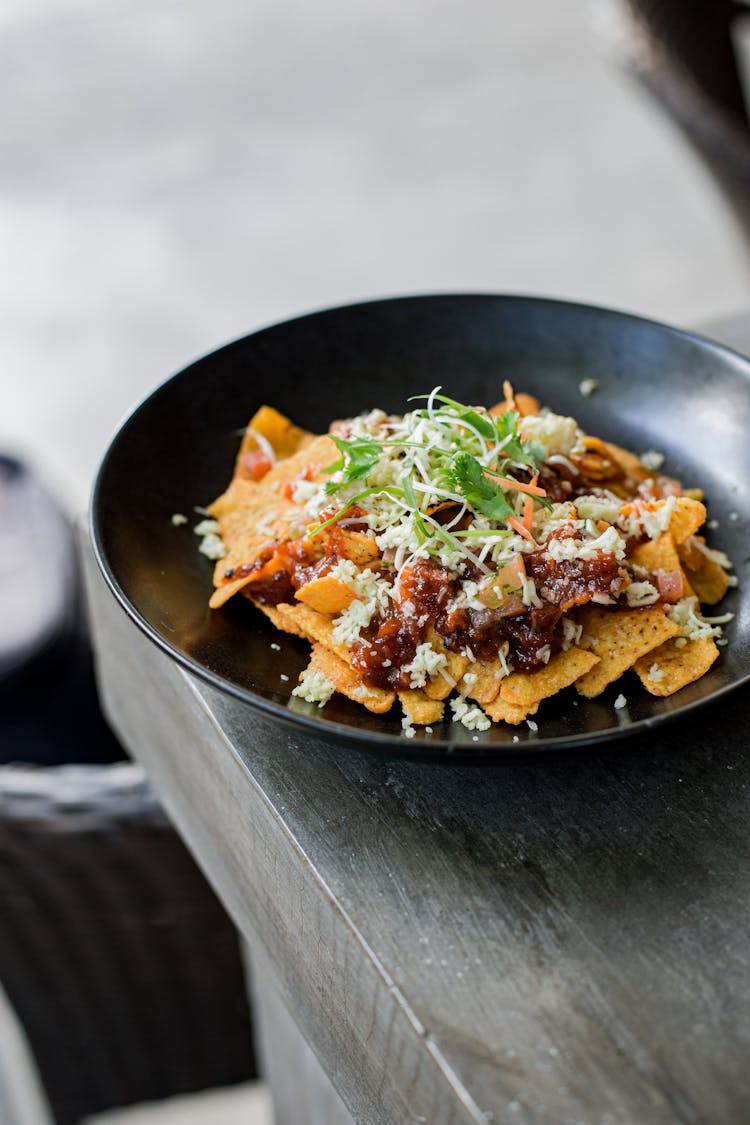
<point>554,942</point>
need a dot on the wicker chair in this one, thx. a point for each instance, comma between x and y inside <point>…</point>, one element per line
<point>121,964</point>
<point>684,55</point>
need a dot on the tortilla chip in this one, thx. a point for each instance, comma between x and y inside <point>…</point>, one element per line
<point>524,689</point>
<point>358,546</point>
<point>525,404</point>
<point>657,554</point>
<point>326,594</point>
<point>501,712</point>
<point>306,622</point>
<point>251,514</point>
<point>619,638</point>
<point>680,666</point>
<point>283,623</point>
<point>661,555</point>
<point>421,710</point>
<point>348,682</point>
<point>227,590</point>
<point>281,434</point>
<point>708,578</point>
<point>485,681</point>
<point>628,463</point>
<point>687,516</point>
<point>438,687</point>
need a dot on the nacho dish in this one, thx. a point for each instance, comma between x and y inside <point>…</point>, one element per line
<point>483,558</point>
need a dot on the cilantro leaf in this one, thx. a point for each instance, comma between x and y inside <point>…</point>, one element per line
<point>482,494</point>
<point>513,445</point>
<point>359,456</point>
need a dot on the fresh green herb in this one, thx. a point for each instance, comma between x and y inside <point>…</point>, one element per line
<point>411,499</point>
<point>358,458</point>
<point>482,423</point>
<point>511,443</point>
<point>467,476</point>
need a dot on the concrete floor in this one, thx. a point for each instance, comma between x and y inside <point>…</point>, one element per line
<point>177,173</point>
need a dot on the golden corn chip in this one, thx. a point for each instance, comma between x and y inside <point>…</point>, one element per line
<point>348,682</point>
<point>668,668</point>
<point>438,687</point>
<point>421,710</point>
<point>657,554</point>
<point>358,546</point>
<point>524,689</point>
<point>501,712</point>
<point>619,639</point>
<point>687,516</point>
<point>628,463</point>
<point>282,623</point>
<point>281,434</point>
<point>315,626</point>
<point>481,682</point>
<point>227,590</point>
<point>524,404</point>
<point>661,555</point>
<point>326,594</point>
<point>251,514</point>
<point>707,577</point>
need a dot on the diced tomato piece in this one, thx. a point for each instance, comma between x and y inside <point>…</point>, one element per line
<point>256,464</point>
<point>671,585</point>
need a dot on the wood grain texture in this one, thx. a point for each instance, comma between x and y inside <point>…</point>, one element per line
<point>563,941</point>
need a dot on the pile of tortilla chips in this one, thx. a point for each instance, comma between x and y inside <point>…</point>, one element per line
<point>254,512</point>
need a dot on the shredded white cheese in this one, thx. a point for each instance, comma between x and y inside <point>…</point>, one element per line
<point>588,386</point>
<point>652,460</point>
<point>620,702</point>
<point>473,718</point>
<point>555,432</point>
<point>686,613</point>
<point>427,662</point>
<point>314,687</point>
<point>609,541</point>
<point>640,594</point>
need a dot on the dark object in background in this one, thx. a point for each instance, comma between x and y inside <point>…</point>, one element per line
<point>49,710</point>
<point>116,955</point>
<point>684,54</point>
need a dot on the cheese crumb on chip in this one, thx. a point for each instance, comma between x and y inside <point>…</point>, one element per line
<point>555,432</point>
<point>652,460</point>
<point>427,662</point>
<point>473,718</point>
<point>314,687</point>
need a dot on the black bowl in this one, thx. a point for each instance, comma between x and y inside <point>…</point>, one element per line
<point>659,388</point>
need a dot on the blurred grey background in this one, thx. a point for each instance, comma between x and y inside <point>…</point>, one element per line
<point>176,174</point>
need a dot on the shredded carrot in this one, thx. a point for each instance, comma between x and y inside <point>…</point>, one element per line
<point>532,489</point>
<point>528,514</point>
<point>519,527</point>
<point>508,393</point>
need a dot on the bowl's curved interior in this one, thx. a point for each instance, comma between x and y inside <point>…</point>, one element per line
<point>659,388</point>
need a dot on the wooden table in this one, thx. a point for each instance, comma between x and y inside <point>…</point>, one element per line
<point>563,942</point>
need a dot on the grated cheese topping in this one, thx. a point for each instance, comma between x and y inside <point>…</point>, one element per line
<point>314,687</point>
<point>473,718</point>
